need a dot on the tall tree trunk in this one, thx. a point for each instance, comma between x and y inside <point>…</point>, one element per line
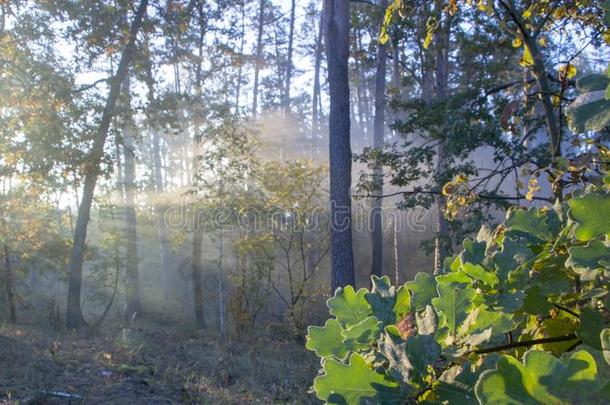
<point>289,58</point>
<point>197,267</point>
<point>337,27</point>
<point>74,315</point>
<point>442,92</point>
<point>8,286</point>
<point>315,112</point>
<point>134,303</point>
<point>378,130</point>
<point>259,53</point>
<point>241,56</point>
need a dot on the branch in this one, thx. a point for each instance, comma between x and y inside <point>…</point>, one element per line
<point>435,192</point>
<point>525,343</point>
<point>367,2</point>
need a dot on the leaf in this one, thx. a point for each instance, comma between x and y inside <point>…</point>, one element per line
<point>588,260</point>
<point>454,303</point>
<point>526,60</point>
<point>427,321</point>
<point>409,359</point>
<point>478,272</point>
<point>589,112</point>
<point>541,379</point>
<point>480,319</point>
<point>327,340</point>
<point>592,213</point>
<point>382,299</point>
<point>567,71</point>
<point>529,224</point>
<point>513,254</point>
<point>348,306</point>
<point>403,302</point>
<point>474,252</point>
<point>351,383</point>
<point>536,303</point>
<point>361,335</point>
<point>455,279</point>
<point>590,328</point>
<point>422,289</point>
<point>605,343</point>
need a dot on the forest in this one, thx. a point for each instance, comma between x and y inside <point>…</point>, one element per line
<point>304,202</point>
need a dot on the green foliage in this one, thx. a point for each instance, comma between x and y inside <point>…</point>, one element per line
<point>520,316</point>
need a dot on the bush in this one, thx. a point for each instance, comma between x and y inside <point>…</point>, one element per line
<point>519,316</point>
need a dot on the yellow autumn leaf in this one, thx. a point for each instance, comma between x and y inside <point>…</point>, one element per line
<point>517,42</point>
<point>567,71</point>
<point>527,59</point>
<point>542,41</point>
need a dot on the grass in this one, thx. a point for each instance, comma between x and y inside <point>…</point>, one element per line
<point>151,363</point>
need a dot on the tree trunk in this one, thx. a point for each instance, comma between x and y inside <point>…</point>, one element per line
<point>241,56</point>
<point>8,286</point>
<point>259,53</point>
<point>134,303</point>
<point>289,59</point>
<point>442,92</point>
<point>378,130</point>
<point>74,316</point>
<point>197,266</point>
<point>337,27</point>
<point>315,112</point>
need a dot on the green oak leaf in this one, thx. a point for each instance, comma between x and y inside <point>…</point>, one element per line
<point>535,302</point>
<point>454,303</point>
<point>327,340</point>
<point>403,302</point>
<point>474,252</point>
<point>592,213</point>
<point>382,299</point>
<point>481,319</point>
<point>409,360</point>
<point>361,335</point>
<point>348,306</point>
<point>422,290</point>
<point>591,110</point>
<point>478,272</point>
<point>353,383</point>
<point>455,279</point>
<point>541,379</point>
<point>530,224</point>
<point>588,260</point>
<point>590,328</point>
<point>605,343</point>
<point>427,321</point>
<point>513,254</point>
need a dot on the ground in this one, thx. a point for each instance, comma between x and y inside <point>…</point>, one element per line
<point>149,364</point>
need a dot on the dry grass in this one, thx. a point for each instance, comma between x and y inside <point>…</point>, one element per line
<point>150,363</point>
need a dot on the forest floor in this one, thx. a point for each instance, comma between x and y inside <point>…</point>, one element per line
<point>149,364</point>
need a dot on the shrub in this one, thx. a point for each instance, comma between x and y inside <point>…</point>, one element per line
<point>519,316</point>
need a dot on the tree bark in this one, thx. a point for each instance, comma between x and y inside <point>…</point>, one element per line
<point>337,27</point>
<point>289,58</point>
<point>74,315</point>
<point>8,286</point>
<point>134,303</point>
<point>442,92</point>
<point>378,131</point>
<point>259,53</point>
<point>241,56</point>
<point>196,275</point>
<point>315,112</point>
